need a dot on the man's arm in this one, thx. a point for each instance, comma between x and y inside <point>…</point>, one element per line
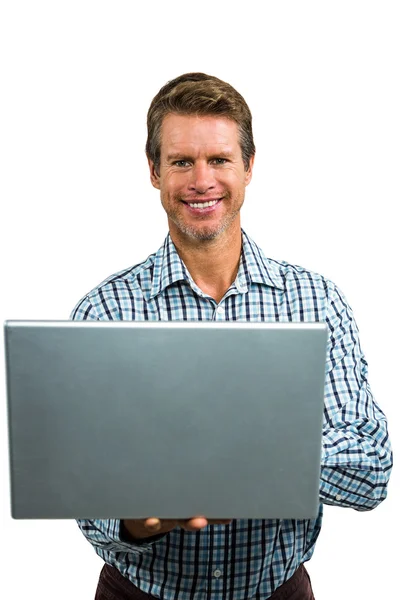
<point>129,535</point>
<point>106,534</point>
<point>356,452</point>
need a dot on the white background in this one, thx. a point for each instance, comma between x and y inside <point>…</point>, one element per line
<point>322,81</point>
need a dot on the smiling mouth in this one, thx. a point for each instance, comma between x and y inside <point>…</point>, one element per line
<point>203,204</point>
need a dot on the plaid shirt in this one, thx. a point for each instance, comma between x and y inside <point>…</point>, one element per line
<point>249,558</point>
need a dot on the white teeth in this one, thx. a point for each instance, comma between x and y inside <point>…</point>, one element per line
<point>203,204</point>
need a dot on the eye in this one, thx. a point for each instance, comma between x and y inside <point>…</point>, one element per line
<point>219,161</point>
<point>181,163</point>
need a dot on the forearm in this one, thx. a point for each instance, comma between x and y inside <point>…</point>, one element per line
<point>355,469</point>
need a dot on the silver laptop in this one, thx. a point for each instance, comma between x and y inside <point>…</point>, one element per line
<point>168,419</point>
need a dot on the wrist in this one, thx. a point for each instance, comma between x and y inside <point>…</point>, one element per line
<point>133,532</point>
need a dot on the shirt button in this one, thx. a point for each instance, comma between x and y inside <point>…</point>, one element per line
<point>338,497</point>
<point>220,309</point>
<point>217,573</point>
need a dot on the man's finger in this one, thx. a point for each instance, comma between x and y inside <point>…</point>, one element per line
<point>153,524</point>
<point>195,524</point>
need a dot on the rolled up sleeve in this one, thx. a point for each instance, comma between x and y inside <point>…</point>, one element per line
<point>356,452</point>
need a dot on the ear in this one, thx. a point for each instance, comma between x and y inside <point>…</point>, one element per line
<point>154,177</point>
<point>249,172</point>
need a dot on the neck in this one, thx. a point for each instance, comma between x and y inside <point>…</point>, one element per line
<point>212,264</point>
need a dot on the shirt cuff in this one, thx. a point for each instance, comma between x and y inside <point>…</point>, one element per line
<point>107,535</point>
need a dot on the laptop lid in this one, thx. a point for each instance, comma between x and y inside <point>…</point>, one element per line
<point>168,419</point>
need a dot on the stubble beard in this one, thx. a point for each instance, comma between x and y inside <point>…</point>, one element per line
<point>207,232</point>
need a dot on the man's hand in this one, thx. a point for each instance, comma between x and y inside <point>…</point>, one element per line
<point>143,528</point>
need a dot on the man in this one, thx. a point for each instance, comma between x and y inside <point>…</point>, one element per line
<point>201,152</point>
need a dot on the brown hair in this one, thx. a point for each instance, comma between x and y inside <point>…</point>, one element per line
<point>198,94</point>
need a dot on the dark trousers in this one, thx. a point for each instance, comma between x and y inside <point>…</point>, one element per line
<point>113,586</point>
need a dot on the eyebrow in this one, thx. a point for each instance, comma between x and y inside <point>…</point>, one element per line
<point>185,156</point>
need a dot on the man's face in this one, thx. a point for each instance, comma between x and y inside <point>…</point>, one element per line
<point>202,178</point>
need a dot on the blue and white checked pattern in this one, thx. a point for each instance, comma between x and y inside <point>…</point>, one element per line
<point>249,558</point>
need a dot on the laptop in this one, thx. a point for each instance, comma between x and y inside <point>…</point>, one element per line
<point>168,419</point>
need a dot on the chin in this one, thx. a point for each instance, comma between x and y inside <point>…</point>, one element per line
<point>199,233</point>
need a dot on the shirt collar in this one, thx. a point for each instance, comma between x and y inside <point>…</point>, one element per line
<point>168,268</point>
<point>256,268</point>
<point>253,267</point>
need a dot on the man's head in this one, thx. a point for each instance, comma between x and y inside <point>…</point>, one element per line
<point>200,151</point>
<point>202,95</point>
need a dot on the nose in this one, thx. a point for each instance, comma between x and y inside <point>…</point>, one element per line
<point>202,178</point>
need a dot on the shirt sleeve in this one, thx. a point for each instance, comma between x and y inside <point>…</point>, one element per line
<point>356,451</point>
<point>106,535</point>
